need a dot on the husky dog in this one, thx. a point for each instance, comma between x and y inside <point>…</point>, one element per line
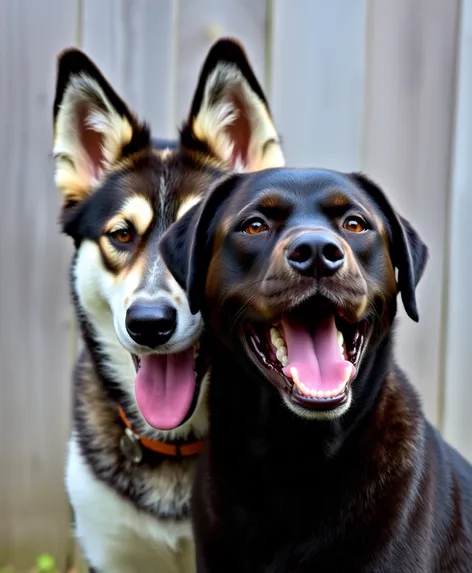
<point>139,385</point>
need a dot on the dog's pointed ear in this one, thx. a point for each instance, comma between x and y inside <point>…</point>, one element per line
<point>230,118</point>
<point>93,127</point>
<point>409,253</point>
<point>187,245</point>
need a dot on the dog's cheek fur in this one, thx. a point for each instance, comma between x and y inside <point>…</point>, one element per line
<point>381,279</point>
<point>101,300</point>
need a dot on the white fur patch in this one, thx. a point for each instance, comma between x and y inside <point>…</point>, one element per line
<point>115,536</point>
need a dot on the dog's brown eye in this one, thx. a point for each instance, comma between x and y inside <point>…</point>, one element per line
<point>355,225</point>
<point>254,227</point>
<point>123,236</point>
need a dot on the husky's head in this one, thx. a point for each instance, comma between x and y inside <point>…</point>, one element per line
<point>120,193</point>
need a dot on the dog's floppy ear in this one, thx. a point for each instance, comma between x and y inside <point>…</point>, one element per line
<point>93,127</point>
<point>187,245</point>
<point>409,253</point>
<point>230,118</point>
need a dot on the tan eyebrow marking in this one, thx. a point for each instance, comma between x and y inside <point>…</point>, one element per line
<point>339,200</point>
<point>137,210</point>
<point>187,205</point>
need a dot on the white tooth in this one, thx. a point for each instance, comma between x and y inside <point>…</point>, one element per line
<point>279,342</point>
<point>328,393</point>
<point>294,375</point>
<point>304,388</point>
<point>340,338</point>
<point>284,360</point>
<point>274,334</point>
<point>348,375</point>
<point>341,387</point>
<point>281,353</point>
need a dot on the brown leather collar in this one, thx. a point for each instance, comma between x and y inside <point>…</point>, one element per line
<point>166,448</point>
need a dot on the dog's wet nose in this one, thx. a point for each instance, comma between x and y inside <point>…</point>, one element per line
<point>315,254</point>
<point>151,323</point>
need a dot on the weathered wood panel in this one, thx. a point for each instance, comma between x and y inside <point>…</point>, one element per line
<point>317,80</point>
<point>132,42</point>
<point>365,84</point>
<point>35,326</point>
<point>458,390</point>
<point>409,107</point>
<point>199,24</point>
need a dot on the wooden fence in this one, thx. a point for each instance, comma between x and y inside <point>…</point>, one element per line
<point>379,85</point>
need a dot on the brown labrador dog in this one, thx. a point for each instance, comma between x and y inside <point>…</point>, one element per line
<point>319,457</point>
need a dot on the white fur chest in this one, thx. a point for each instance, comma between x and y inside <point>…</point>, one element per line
<point>115,536</point>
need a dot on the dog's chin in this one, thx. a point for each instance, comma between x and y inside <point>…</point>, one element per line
<point>322,415</point>
<point>311,354</point>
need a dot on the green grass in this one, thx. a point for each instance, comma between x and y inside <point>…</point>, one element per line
<point>45,563</point>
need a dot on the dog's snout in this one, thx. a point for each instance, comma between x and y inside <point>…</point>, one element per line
<point>151,323</point>
<point>315,254</point>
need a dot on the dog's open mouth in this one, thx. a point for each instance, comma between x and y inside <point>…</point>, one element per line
<point>167,387</point>
<point>314,354</point>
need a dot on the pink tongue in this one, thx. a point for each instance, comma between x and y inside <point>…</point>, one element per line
<point>164,386</point>
<point>316,355</point>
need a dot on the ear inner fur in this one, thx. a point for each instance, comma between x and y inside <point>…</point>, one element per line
<point>230,117</point>
<point>93,128</point>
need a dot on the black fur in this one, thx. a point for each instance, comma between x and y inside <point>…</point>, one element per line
<point>375,490</point>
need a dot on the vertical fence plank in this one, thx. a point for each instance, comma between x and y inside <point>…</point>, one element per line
<point>409,113</point>
<point>132,43</point>
<point>36,330</point>
<point>199,23</point>
<point>458,389</point>
<point>317,91</point>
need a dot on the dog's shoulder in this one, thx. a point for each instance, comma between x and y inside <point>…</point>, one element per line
<point>439,484</point>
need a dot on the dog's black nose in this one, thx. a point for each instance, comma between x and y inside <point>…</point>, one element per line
<point>151,323</point>
<point>315,254</point>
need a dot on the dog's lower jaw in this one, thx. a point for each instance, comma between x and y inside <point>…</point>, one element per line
<point>117,373</point>
<point>319,415</point>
